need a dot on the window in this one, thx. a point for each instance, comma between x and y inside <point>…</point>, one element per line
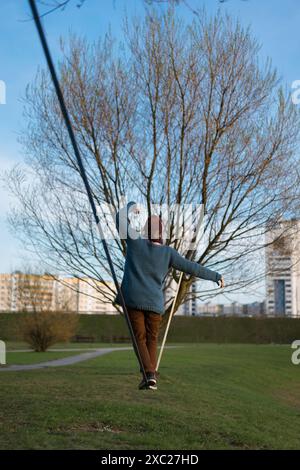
<point>279,294</point>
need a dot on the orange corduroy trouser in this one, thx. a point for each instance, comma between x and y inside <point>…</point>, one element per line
<point>145,325</point>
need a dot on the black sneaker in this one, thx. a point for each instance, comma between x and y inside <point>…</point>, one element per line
<point>143,385</point>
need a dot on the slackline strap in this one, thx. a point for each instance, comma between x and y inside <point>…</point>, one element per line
<point>67,120</point>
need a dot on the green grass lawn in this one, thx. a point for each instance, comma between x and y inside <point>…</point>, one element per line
<point>209,397</point>
<point>17,358</point>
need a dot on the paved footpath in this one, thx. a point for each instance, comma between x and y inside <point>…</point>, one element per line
<point>66,361</point>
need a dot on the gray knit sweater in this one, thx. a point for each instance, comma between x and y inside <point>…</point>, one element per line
<point>146,266</point>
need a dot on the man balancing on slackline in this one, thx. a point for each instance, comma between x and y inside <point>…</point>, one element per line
<point>147,262</point>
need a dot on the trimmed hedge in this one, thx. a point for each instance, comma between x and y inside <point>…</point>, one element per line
<point>113,328</point>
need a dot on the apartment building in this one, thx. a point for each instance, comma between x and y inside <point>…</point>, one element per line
<point>5,292</point>
<point>283,269</point>
<point>254,309</point>
<point>231,309</point>
<point>30,292</point>
<point>19,291</point>
<point>209,309</point>
<point>66,294</point>
<point>189,308</point>
<point>95,296</point>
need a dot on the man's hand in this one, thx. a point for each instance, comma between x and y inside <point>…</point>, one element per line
<point>221,282</point>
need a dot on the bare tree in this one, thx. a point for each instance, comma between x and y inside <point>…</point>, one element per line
<point>54,5</point>
<point>45,322</point>
<point>183,113</point>
<point>42,329</point>
<point>61,5</point>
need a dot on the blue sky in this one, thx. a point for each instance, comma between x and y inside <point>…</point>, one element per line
<point>275,23</point>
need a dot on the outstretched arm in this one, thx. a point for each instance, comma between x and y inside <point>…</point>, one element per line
<point>190,267</point>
